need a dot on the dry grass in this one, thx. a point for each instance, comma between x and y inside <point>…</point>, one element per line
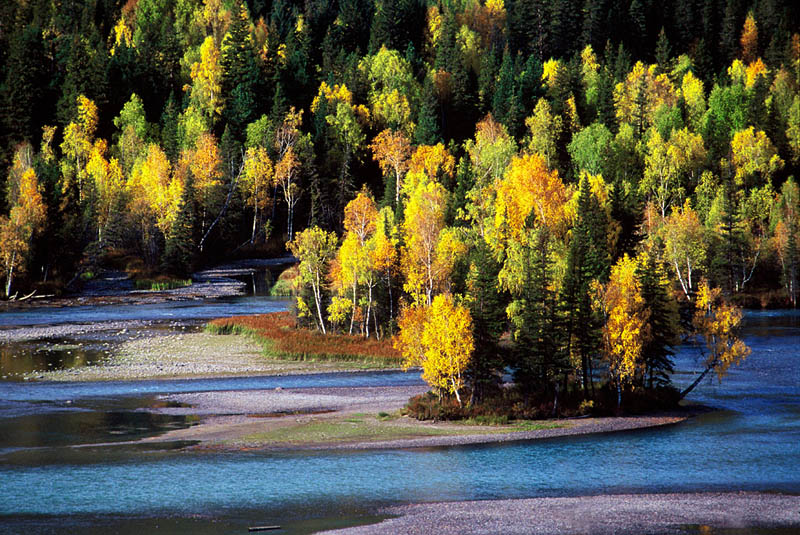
<point>281,338</point>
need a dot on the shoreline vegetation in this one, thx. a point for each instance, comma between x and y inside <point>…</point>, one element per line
<point>280,338</point>
<point>312,419</point>
<point>354,418</point>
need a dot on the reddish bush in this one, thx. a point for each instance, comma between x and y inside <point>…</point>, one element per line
<point>281,330</point>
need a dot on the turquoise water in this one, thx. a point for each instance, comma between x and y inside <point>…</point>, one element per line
<point>752,443</point>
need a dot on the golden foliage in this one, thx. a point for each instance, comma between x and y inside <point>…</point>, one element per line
<point>749,39</point>
<point>626,328</point>
<point>392,151</point>
<point>360,216</point>
<point>155,193</point>
<point>439,339</point>
<point>529,189</point>
<point>754,154</point>
<point>717,322</point>
<point>206,77</point>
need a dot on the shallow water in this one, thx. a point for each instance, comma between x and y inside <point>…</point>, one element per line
<point>166,311</point>
<point>753,443</point>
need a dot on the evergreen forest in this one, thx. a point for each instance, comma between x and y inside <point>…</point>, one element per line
<point>559,188</point>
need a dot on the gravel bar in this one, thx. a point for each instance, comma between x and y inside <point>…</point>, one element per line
<point>597,515</point>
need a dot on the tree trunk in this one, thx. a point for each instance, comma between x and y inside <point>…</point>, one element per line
<point>255,224</point>
<point>696,382</point>
<point>317,298</point>
<point>369,308</point>
<point>353,314</point>
<point>10,273</point>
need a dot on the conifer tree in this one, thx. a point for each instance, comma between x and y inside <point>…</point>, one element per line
<point>487,306</point>
<point>662,319</point>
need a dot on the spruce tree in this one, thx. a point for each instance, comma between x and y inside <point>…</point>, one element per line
<point>504,89</point>
<point>240,73</point>
<point>487,306</point>
<point>663,52</point>
<point>663,320</point>
<point>179,249</point>
<point>587,261</point>
<point>540,362</point>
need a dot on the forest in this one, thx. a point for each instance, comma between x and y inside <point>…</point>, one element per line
<point>559,188</point>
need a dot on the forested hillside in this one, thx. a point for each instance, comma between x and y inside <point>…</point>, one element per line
<point>569,174</point>
<point>182,130</point>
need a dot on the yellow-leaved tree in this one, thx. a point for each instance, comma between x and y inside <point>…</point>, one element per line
<point>392,151</point>
<point>626,329</point>
<point>314,248</point>
<point>528,189</point>
<point>439,339</point>
<point>353,267</point>
<point>155,196</point>
<point>716,322</point>
<point>684,238</point>
<point>431,250</point>
<point>257,176</point>
<point>27,216</point>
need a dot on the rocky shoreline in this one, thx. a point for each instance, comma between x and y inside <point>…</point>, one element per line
<point>677,513</point>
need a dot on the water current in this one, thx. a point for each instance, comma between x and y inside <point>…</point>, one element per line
<point>47,486</point>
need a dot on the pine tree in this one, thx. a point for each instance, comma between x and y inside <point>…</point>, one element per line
<point>396,24</point>
<point>23,102</point>
<point>539,362</point>
<point>637,27</point>
<point>487,306</point>
<point>587,261</point>
<point>504,89</point>
<point>427,131</point>
<point>594,23</point>
<point>663,320</point>
<point>240,73</point>
<point>663,52</point>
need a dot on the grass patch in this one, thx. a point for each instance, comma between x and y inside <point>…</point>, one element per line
<point>160,285</point>
<point>528,425</point>
<point>361,427</point>
<point>280,338</point>
<point>350,429</point>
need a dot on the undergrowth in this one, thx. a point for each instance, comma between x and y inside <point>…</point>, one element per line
<point>160,285</point>
<point>281,338</point>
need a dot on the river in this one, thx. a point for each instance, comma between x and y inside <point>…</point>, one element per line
<point>47,485</point>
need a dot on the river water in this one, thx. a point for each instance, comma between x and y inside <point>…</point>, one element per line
<point>47,485</point>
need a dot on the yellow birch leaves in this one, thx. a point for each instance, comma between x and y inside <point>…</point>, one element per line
<point>439,339</point>
<point>626,327</point>
<point>717,322</point>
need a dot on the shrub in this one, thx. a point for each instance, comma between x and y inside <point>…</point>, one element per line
<point>282,288</point>
<point>283,339</point>
<point>160,285</point>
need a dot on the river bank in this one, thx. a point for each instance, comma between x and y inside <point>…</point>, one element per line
<point>117,288</point>
<point>139,350</point>
<point>351,418</point>
<point>702,513</point>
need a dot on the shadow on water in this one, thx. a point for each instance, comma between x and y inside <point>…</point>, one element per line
<point>236,522</point>
<point>91,421</point>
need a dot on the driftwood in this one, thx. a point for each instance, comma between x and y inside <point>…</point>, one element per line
<point>263,528</point>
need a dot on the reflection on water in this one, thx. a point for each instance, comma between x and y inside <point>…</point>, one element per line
<point>19,359</point>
